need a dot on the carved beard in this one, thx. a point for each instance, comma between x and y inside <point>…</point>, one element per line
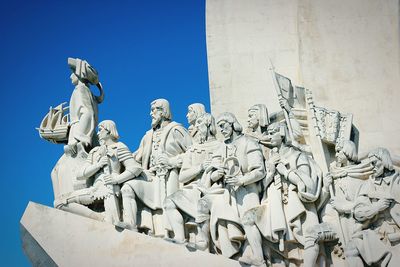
<point>155,122</point>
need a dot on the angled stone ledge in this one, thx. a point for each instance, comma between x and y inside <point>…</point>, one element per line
<point>52,237</point>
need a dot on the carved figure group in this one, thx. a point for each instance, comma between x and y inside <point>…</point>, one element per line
<point>262,195</point>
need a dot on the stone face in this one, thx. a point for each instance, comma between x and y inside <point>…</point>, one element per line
<point>347,54</point>
<point>54,237</point>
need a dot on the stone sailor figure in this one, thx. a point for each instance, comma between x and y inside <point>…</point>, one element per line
<point>348,177</point>
<point>109,164</point>
<point>83,104</point>
<point>82,137</point>
<point>196,160</point>
<point>378,208</point>
<point>159,154</point>
<point>288,207</point>
<point>237,167</point>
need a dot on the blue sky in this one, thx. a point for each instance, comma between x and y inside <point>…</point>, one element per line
<point>143,50</point>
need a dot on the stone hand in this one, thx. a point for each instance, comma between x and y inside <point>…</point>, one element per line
<point>110,179</point>
<point>383,204</point>
<point>341,206</point>
<point>163,159</point>
<point>282,170</point>
<point>235,180</point>
<point>274,159</point>
<point>102,162</point>
<point>217,174</point>
<point>205,164</point>
<point>72,147</point>
<point>284,103</point>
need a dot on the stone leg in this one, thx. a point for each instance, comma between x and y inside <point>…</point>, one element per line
<point>310,255</point>
<point>175,220</point>
<point>228,248</point>
<point>255,242</point>
<point>202,240</point>
<point>111,207</point>
<point>129,207</point>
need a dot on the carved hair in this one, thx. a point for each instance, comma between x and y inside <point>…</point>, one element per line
<point>198,109</point>
<point>262,114</point>
<point>230,118</point>
<point>110,126</point>
<point>210,122</point>
<point>164,105</point>
<point>349,149</point>
<point>384,155</point>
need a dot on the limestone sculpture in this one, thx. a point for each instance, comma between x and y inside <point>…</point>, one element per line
<point>79,136</point>
<point>290,190</point>
<point>343,183</point>
<point>237,167</point>
<point>110,165</point>
<point>378,209</point>
<point>159,154</point>
<point>289,209</point>
<point>194,176</point>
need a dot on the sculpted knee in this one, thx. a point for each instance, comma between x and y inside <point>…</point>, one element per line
<point>203,206</point>
<point>127,191</point>
<point>169,204</point>
<point>249,218</point>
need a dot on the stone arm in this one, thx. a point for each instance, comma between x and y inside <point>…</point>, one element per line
<point>90,168</point>
<point>188,171</point>
<point>216,166</point>
<point>365,210</point>
<point>132,170</point>
<point>182,139</point>
<point>138,154</point>
<point>256,168</point>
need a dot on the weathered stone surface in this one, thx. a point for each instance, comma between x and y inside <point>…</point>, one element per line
<point>347,54</point>
<point>65,239</point>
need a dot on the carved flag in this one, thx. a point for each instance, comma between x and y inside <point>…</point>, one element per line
<point>285,87</point>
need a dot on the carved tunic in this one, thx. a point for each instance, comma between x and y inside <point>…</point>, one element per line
<point>83,115</point>
<point>286,211</point>
<point>186,198</point>
<point>173,140</point>
<point>229,204</point>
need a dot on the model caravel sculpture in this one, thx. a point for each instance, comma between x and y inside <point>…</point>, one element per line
<point>54,126</point>
<point>287,190</point>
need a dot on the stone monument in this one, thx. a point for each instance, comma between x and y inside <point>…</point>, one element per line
<point>290,189</point>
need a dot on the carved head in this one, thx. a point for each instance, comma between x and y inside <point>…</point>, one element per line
<point>159,112</point>
<point>381,160</point>
<point>228,124</point>
<point>195,110</point>
<point>205,125</point>
<point>257,116</point>
<point>346,152</point>
<point>107,131</point>
<point>83,71</point>
<point>277,133</point>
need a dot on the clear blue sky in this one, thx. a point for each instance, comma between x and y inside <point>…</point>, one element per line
<point>143,50</point>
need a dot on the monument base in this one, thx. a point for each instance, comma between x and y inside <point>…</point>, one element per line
<point>52,237</point>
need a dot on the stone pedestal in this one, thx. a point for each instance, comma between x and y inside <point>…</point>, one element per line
<point>346,52</point>
<point>52,237</point>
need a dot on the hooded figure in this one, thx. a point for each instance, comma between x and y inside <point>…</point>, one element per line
<point>83,104</point>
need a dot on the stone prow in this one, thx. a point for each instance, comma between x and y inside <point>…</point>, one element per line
<point>52,237</point>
